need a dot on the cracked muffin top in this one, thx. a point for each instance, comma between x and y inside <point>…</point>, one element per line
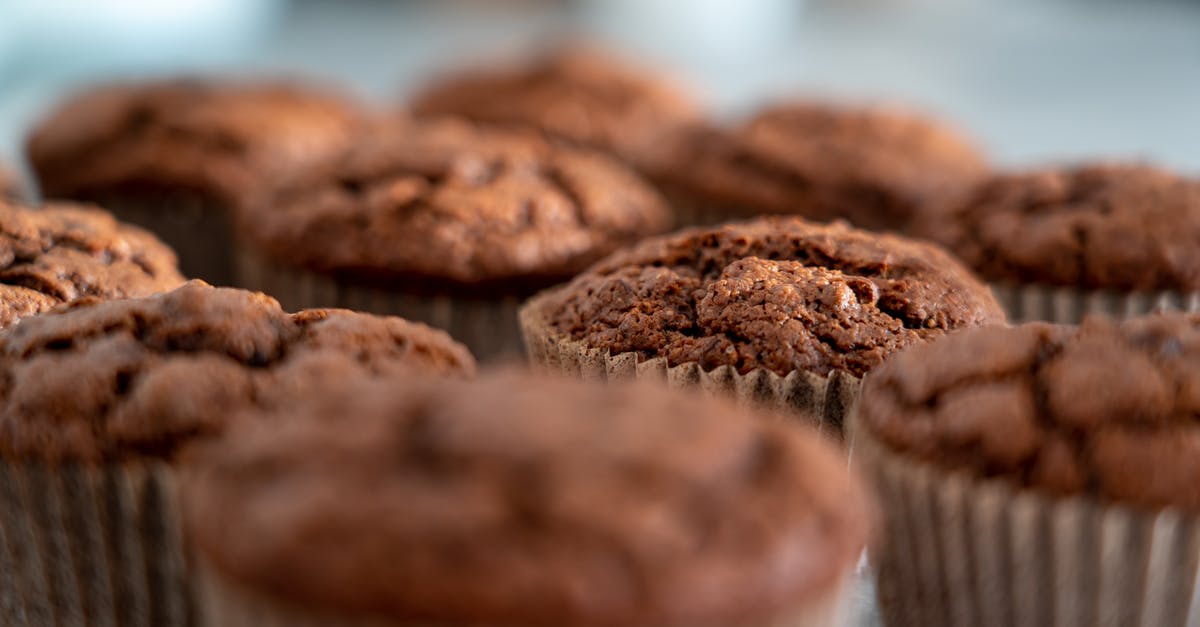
<point>1107,410</point>
<point>1118,226</point>
<point>214,137</point>
<point>776,293</point>
<point>513,500</point>
<point>146,378</point>
<point>453,204</point>
<point>577,94</point>
<point>875,167</point>
<point>61,252</point>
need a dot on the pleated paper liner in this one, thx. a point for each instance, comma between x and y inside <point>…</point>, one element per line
<point>487,327</point>
<point>227,605</point>
<point>95,546</point>
<point>827,400</point>
<point>1024,303</point>
<point>958,550</point>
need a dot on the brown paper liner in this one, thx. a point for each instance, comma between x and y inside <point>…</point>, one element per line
<point>825,400</point>
<point>487,327</point>
<point>91,546</point>
<point>227,605</point>
<point>1024,303</point>
<point>196,226</point>
<point>957,550</point>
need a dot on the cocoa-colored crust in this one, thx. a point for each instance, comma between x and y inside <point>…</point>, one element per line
<point>580,95</point>
<point>1109,410</point>
<point>1111,226</point>
<point>875,167</point>
<point>61,252</point>
<point>453,204</point>
<point>516,501</point>
<point>776,293</point>
<point>222,140</point>
<point>145,378</point>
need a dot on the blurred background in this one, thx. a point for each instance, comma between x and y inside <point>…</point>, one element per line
<point>1036,80</point>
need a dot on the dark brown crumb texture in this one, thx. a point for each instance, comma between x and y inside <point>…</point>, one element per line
<point>456,204</point>
<point>146,377</point>
<point>1108,410</point>
<point>61,252</point>
<point>519,501</point>
<point>775,293</point>
<point>1124,227</point>
<point>875,167</point>
<point>576,94</point>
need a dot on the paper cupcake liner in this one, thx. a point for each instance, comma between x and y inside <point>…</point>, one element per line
<point>227,605</point>
<point>487,327</point>
<point>963,551</point>
<point>1024,303</point>
<point>197,227</point>
<point>824,400</point>
<point>91,546</point>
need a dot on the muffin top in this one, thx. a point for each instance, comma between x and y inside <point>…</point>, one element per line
<point>452,204</point>
<point>574,93</point>
<point>1108,410</point>
<point>63,252</point>
<point>775,293</point>
<point>520,501</point>
<point>872,166</point>
<point>145,378</point>
<point>215,138</point>
<point>1117,226</point>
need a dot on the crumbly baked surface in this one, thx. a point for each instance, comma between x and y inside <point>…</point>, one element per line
<point>454,204</point>
<point>145,378</point>
<point>875,167</point>
<point>62,252</point>
<point>776,293</point>
<point>523,501</point>
<point>1118,226</point>
<point>219,139</point>
<point>1108,410</point>
<point>577,94</point>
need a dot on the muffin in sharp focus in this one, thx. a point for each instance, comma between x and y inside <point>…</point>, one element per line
<point>779,310</point>
<point>101,404</point>
<point>873,166</point>
<point>61,252</point>
<point>1057,244</point>
<point>520,501</point>
<point>177,157</point>
<point>576,94</point>
<point>1052,471</point>
<point>445,222</point>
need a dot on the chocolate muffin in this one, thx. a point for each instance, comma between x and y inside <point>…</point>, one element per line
<point>1082,443</point>
<point>1095,238</point>
<point>576,94</point>
<point>100,406</point>
<point>521,501</point>
<point>785,310</point>
<point>63,252</point>
<point>178,156</point>
<point>874,166</point>
<point>445,222</point>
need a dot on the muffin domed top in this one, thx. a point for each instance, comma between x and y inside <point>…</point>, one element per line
<point>452,203</point>
<point>521,501</point>
<point>1119,226</point>
<point>574,93</point>
<point>776,293</point>
<point>144,378</point>
<point>1109,410</point>
<point>875,167</point>
<point>220,138</point>
<point>63,252</point>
